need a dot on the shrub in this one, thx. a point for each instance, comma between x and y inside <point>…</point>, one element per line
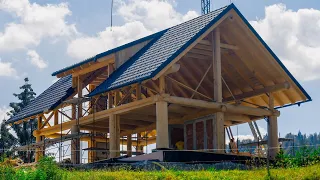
<point>48,168</point>
<point>303,157</point>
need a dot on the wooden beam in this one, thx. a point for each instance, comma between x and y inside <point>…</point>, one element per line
<point>94,75</point>
<point>187,87</point>
<point>138,91</point>
<point>229,46</point>
<point>140,117</point>
<point>258,92</point>
<point>126,96</point>
<point>162,85</point>
<point>205,74</point>
<point>221,107</point>
<point>222,45</point>
<point>46,120</point>
<point>101,115</point>
<point>92,67</point>
<point>56,118</point>
<point>218,119</point>
<point>64,114</point>
<point>162,125</point>
<point>273,144</point>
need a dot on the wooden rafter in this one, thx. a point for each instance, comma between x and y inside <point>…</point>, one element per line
<point>189,88</point>
<point>64,114</point>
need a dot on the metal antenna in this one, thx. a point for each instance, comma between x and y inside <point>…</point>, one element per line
<point>205,6</point>
<point>111,14</point>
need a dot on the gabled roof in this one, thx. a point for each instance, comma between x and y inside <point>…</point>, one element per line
<point>48,100</point>
<point>106,53</point>
<point>160,52</point>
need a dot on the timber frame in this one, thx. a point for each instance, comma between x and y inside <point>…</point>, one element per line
<point>226,72</point>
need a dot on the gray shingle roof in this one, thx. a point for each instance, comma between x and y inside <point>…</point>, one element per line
<point>106,53</point>
<point>48,100</point>
<point>160,52</point>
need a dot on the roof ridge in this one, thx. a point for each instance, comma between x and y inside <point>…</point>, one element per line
<point>161,57</point>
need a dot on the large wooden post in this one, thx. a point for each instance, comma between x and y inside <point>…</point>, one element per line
<point>75,142</point>
<point>114,138</point>
<point>75,146</point>
<point>218,121</point>
<point>56,117</point>
<point>273,144</point>
<point>129,145</point>
<point>162,140</point>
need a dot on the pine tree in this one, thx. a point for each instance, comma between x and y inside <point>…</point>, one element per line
<point>7,140</point>
<point>24,129</point>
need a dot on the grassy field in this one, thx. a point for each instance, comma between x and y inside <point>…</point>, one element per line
<point>48,169</point>
<point>311,172</point>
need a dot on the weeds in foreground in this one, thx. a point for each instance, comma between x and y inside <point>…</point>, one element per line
<point>286,167</point>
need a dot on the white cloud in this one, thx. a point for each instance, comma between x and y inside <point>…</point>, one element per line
<point>6,69</point>
<point>36,60</point>
<point>35,22</point>
<point>295,38</point>
<point>85,47</point>
<point>142,17</point>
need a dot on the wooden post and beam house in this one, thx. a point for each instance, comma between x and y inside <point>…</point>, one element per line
<point>185,84</point>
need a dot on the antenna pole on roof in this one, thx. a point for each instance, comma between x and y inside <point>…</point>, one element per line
<point>111,14</point>
<point>205,6</point>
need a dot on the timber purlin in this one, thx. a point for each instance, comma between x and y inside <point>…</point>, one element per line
<point>46,101</point>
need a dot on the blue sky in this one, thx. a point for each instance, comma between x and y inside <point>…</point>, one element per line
<point>37,39</point>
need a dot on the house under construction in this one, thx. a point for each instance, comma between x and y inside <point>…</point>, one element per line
<point>187,83</point>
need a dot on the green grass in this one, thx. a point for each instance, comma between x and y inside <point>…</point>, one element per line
<point>48,169</point>
<point>310,172</point>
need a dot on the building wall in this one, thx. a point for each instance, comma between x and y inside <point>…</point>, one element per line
<point>198,133</point>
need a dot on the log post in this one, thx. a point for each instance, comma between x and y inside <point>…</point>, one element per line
<point>162,123</point>
<point>114,130</point>
<point>56,117</point>
<point>75,146</point>
<point>75,142</point>
<point>218,121</point>
<point>273,144</point>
